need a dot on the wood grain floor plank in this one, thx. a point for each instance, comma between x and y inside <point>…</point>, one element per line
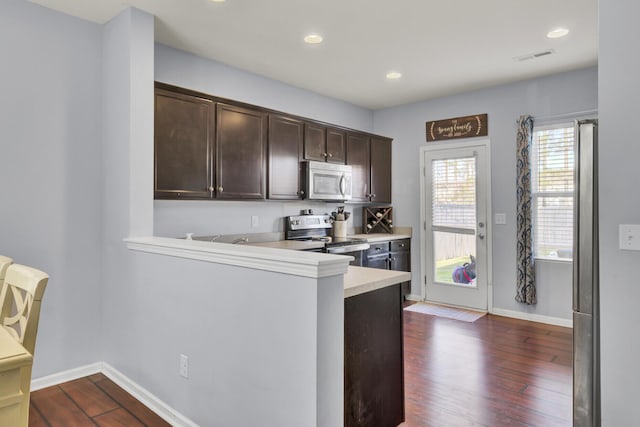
<point>131,404</point>
<point>58,409</point>
<point>35,419</point>
<point>493,372</point>
<point>91,399</point>
<point>118,418</point>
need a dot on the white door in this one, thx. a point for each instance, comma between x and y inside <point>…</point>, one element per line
<point>456,232</point>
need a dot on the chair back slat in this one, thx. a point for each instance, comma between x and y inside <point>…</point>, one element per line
<point>5,262</point>
<point>20,301</point>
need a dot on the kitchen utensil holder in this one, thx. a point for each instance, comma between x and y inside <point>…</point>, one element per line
<point>340,229</point>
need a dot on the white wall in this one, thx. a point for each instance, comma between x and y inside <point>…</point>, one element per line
<point>50,197</point>
<point>261,347</point>
<point>187,70</point>
<point>619,152</point>
<point>558,94</point>
<point>174,218</point>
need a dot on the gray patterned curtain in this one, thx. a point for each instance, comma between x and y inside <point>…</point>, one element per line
<point>526,286</point>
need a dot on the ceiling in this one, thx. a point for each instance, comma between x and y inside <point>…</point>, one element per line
<point>440,47</point>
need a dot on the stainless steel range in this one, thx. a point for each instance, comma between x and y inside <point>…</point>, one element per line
<point>318,228</point>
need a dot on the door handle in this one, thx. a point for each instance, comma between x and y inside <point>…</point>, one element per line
<point>480,236</point>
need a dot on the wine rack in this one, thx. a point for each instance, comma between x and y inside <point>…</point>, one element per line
<point>377,219</point>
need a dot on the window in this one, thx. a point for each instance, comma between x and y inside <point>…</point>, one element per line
<point>552,191</point>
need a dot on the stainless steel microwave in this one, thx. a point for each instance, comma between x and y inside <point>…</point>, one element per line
<point>327,181</point>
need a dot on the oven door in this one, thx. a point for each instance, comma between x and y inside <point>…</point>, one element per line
<point>356,251</point>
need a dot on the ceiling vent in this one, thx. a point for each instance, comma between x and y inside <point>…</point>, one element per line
<point>534,55</point>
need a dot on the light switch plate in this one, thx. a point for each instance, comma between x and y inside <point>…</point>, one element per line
<point>500,219</point>
<point>630,237</point>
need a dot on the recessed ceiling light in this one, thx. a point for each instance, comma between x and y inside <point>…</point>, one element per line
<point>313,38</point>
<point>557,33</point>
<point>218,1</point>
<point>393,75</point>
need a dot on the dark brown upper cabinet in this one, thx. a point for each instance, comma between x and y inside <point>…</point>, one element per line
<point>370,158</point>
<point>380,170</point>
<point>358,156</point>
<point>183,139</point>
<point>336,146</point>
<point>285,153</point>
<point>324,144</point>
<point>241,150</point>
<point>212,148</point>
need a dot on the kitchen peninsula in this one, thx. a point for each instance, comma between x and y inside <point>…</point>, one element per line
<point>330,300</point>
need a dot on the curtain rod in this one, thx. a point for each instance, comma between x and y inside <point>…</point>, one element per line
<point>566,115</point>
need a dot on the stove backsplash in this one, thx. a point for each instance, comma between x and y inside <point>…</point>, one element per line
<point>175,218</point>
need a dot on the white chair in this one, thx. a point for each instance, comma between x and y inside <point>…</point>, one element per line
<point>20,299</point>
<point>5,262</point>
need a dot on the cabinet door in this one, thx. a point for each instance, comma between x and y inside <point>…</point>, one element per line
<point>336,146</point>
<point>358,158</point>
<point>183,137</point>
<point>380,170</point>
<point>373,369</point>
<point>314,142</point>
<point>241,147</point>
<point>285,151</point>
<point>400,261</point>
<point>380,261</point>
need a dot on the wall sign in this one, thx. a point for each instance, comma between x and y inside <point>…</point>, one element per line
<point>459,127</point>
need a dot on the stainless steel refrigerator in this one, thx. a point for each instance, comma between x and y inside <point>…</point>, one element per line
<point>586,307</point>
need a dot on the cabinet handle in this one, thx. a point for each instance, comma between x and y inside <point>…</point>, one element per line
<point>330,155</point>
<point>301,193</point>
<point>373,196</point>
<point>324,154</point>
<point>220,189</point>
<point>378,249</point>
<point>211,188</point>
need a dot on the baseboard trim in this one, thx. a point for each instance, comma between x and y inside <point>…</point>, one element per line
<point>163,410</point>
<point>532,317</point>
<point>64,376</point>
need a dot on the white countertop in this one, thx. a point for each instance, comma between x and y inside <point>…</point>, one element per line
<point>295,245</point>
<point>359,280</point>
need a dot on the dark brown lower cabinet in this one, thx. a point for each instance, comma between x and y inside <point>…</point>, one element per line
<point>373,361</point>
<point>391,255</point>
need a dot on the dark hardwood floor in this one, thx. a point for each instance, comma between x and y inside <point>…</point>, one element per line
<point>90,401</point>
<point>494,372</point>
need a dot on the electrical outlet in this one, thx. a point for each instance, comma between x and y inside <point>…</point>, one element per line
<point>184,366</point>
<point>254,221</point>
<point>501,219</point>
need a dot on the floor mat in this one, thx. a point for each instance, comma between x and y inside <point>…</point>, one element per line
<point>448,312</point>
